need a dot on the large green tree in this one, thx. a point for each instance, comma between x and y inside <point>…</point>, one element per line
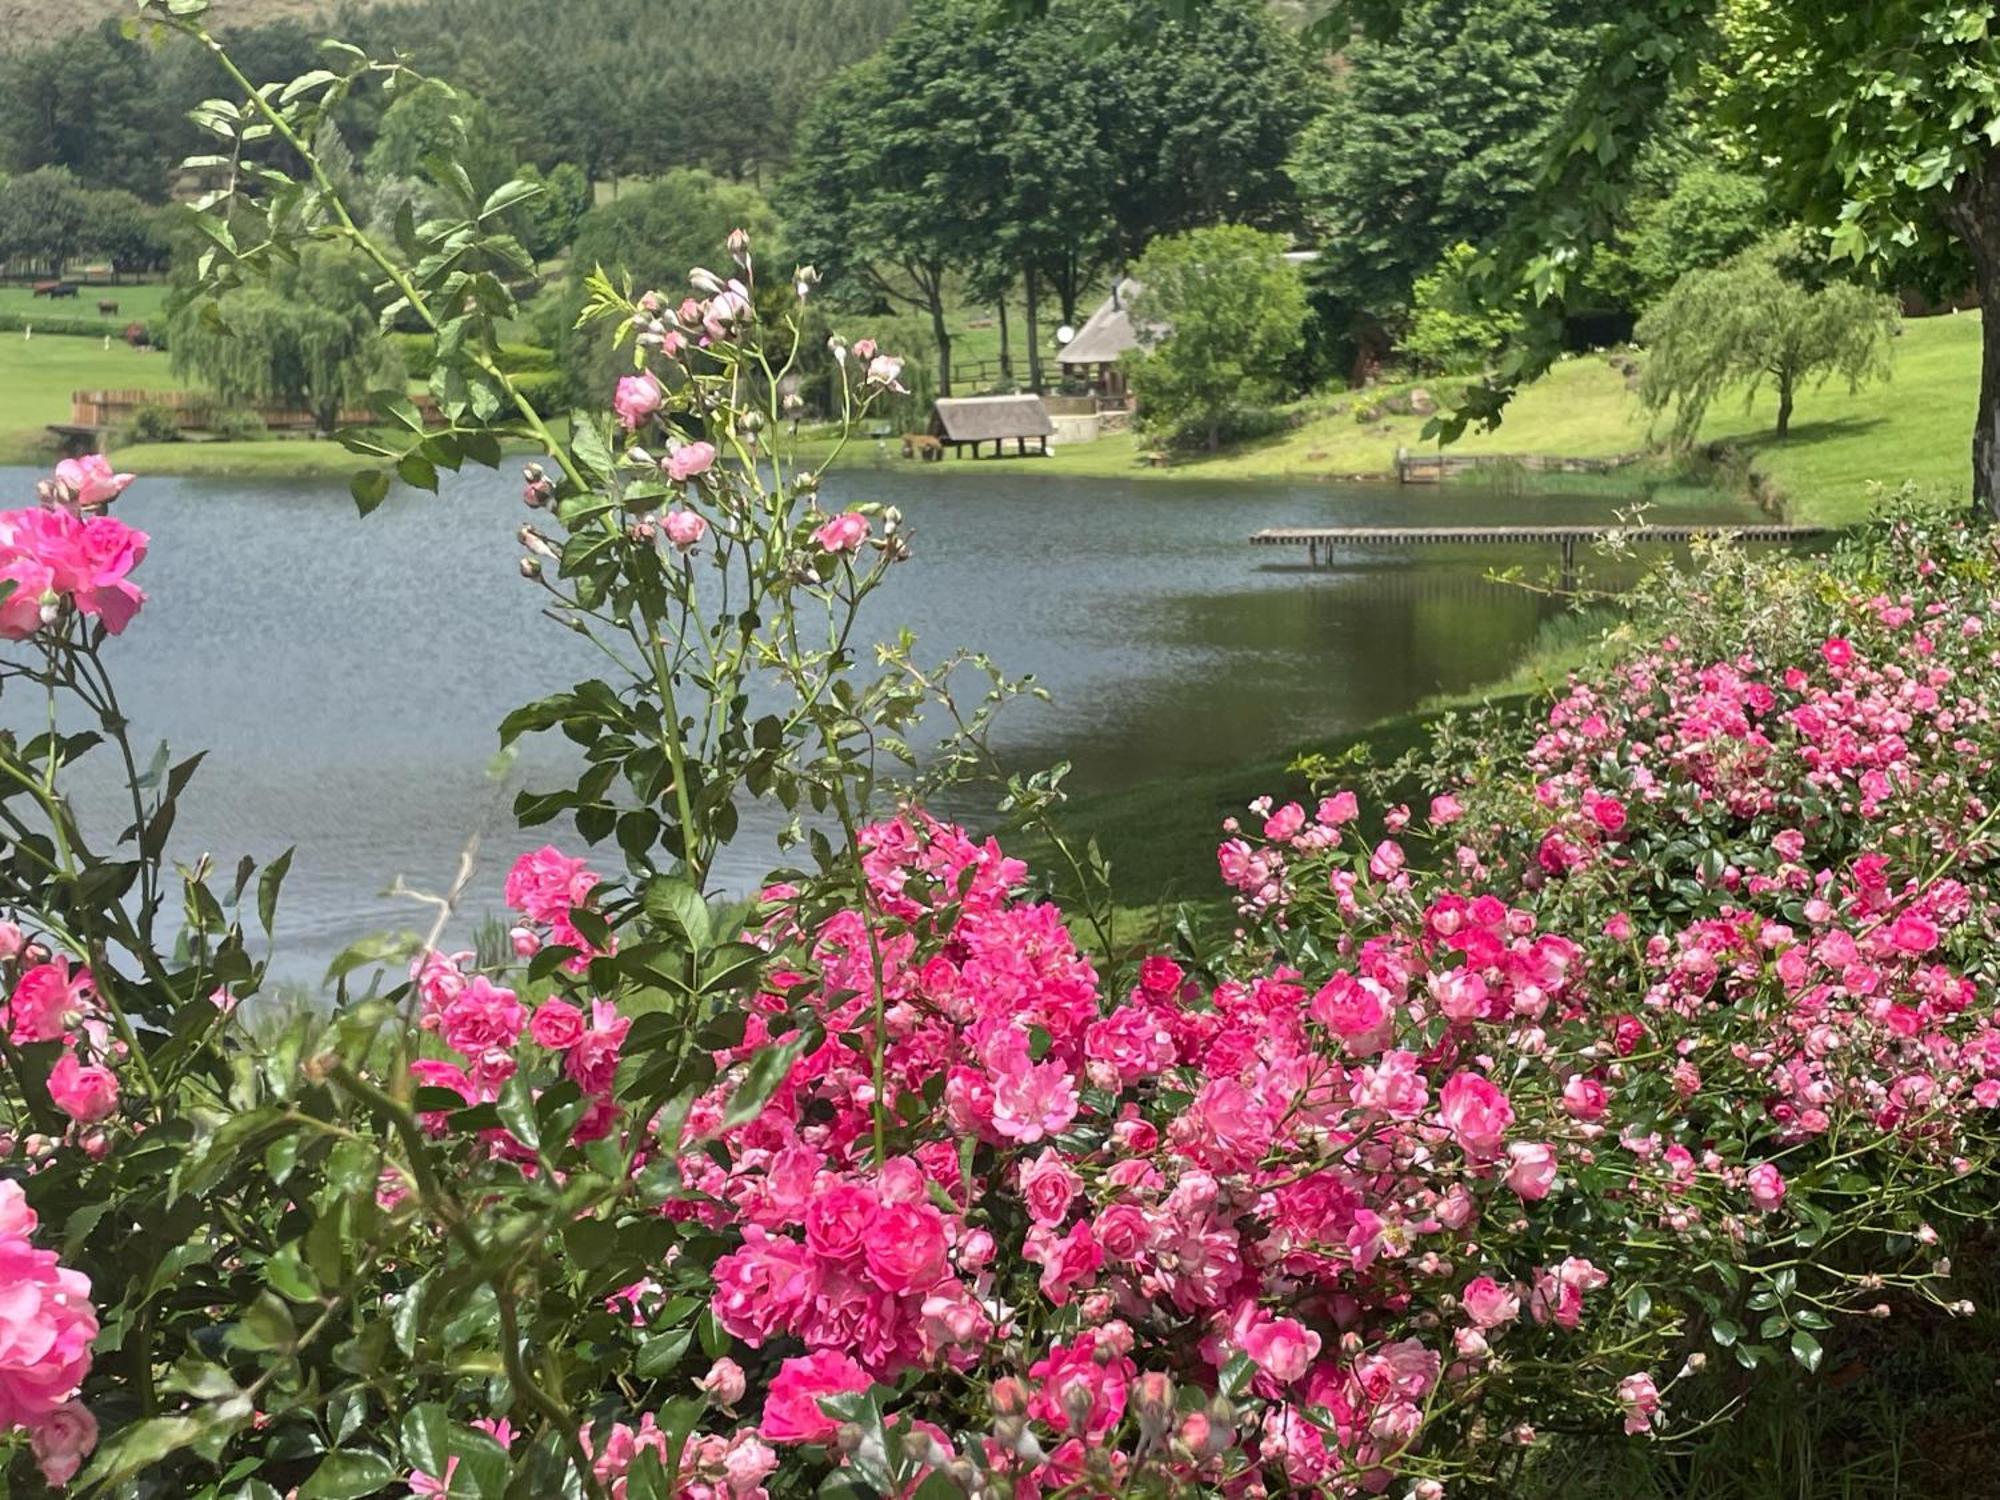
<point>86,102</point>
<point>1220,314</point>
<point>1877,124</point>
<point>43,218</point>
<point>307,338</point>
<point>1436,136</point>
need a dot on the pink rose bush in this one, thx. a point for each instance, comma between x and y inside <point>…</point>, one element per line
<point>47,1325</point>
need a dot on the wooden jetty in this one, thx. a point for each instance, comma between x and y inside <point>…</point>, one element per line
<point>1325,541</point>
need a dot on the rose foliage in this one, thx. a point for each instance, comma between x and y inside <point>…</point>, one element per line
<point>1652,1049</point>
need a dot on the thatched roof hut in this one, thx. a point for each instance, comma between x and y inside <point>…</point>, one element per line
<point>959,421</point>
<point>1109,334</point>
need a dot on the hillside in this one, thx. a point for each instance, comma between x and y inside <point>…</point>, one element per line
<point>29,23</point>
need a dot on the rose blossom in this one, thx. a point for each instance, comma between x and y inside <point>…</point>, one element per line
<point>844,533</point>
<point>1049,1185</point>
<point>1767,1187</point>
<point>556,1025</point>
<point>86,1093</point>
<point>1488,1304</point>
<point>685,528</point>
<point>1476,1113</point>
<point>637,398</point>
<point>1532,1171</point>
<point>688,460</point>
<point>791,1405</point>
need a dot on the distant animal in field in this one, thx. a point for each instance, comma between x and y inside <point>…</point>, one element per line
<point>54,289</point>
<point>922,445</point>
<point>137,336</point>
<point>106,308</point>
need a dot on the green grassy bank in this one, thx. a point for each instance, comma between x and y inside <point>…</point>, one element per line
<point>1916,426</point>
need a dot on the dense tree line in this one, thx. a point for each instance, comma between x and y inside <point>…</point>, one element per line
<point>970,153</point>
<point>601,84</point>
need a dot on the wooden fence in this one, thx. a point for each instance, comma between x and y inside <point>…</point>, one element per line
<point>99,410</point>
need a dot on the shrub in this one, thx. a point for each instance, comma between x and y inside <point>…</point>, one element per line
<point>153,423</point>
<point>237,424</point>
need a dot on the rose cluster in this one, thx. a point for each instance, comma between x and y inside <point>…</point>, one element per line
<point>46,1328</point>
<point>66,552</point>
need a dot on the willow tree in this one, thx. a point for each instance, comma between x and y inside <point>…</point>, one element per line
<point>307,339</point>
<point>1749,323</point>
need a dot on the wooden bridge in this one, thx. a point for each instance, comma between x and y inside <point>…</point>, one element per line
<point>1327,540</point>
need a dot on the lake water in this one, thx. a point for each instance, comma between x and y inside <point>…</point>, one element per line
<point>346,676</point>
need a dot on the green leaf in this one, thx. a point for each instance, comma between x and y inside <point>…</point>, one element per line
<point>1236,1375</point>
<point>659,1355</point>
<point>1725,1332</point>
<point>268,885</point>
<point>370,487</point>
<point>139,1447</point>
<point>348,1475</point>
<point>427,1438</point>
<point>1638,1302</point>
<point>768,1068</point>
<point>517,1112</point>
<point>673,901</point>
<point>1806,1349</point>
<point>507,195</point>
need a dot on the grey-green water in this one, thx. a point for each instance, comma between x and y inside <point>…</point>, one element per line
<point>347,676</point>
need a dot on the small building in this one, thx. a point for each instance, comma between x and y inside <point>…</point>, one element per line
<point>1092,356</point>
<point>960,422</point>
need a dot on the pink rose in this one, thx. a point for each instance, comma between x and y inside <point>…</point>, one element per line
<point>791,1405</point>
<point>1358,1011</point>
<point>685,529</point>
<point>482,1018</point>
<point>1049,1185</point>
<point>864,349</point>
<point>1608,813</point>
<point>637,398</point>
<point>1489,1304</point>
<point>1446,810</point>
<point>1767,1187</point>
<point>1584,1098</point>
<point>21,610</point>
<point>844,533</point>
<point>557,1025</point>
<point>90,482</point>
<point>838,1219</point>
<point>1532,1171</point>
<point>1284,824</point>
<point>1123,1231</point>
<point>1641,1399</point>
<point>1341,807</point>
<point>62,1439</point>
<point>688,460</point>
<point>724,1382</point>
<point>47,1002</point>
<point>1033,1100</point>
<point>904,1248</point>
<point>1476,1113</point>
<point>86,1094</point>
<point>1282,1348</point>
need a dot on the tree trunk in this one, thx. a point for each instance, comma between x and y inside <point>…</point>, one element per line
<point>1006,353</point>
<point>1784,406</point>
<point>1974,215</point>
<point>1033,287</point>
<point>943,342</point>
<point>1214,435</point>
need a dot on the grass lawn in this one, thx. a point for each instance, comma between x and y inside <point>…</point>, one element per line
<point>38,374</point>
<point>1916,426</point>
<point>137,301</point>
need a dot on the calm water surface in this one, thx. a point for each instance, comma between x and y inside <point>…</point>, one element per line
<point>346,676</point>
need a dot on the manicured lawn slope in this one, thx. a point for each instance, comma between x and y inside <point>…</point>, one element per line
<point>1917,426</point>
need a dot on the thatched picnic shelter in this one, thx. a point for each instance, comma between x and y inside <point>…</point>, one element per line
<point>961,422</point>
<point>1092,356</point>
